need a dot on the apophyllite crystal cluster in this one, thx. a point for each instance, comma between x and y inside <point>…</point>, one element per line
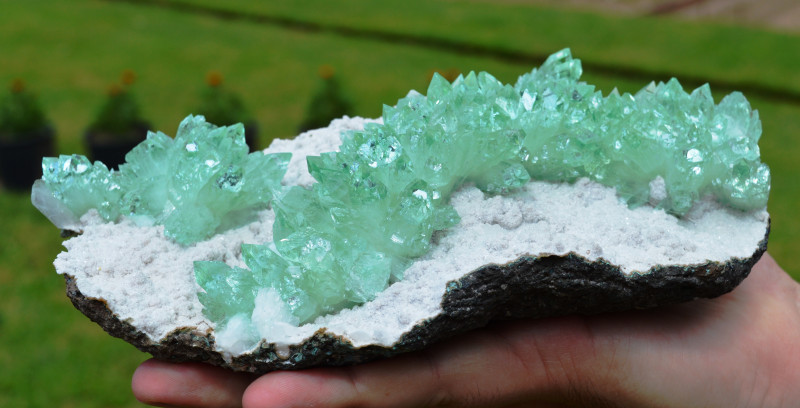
<point>195,184</point>
<point>378,201</point>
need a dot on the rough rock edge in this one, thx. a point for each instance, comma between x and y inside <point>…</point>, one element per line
<point>529,287</point>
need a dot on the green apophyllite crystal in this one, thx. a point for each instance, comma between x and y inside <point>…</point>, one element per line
<point>202,180</point>
<point>379,199</point>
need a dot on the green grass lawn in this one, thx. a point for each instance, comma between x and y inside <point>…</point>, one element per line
<point>723,53</point>
<point>69,53</point>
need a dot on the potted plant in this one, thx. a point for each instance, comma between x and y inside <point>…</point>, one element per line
<point>25,137</point>
<point>118,126</point>
<point>223,107</point>
<point>327,103</point>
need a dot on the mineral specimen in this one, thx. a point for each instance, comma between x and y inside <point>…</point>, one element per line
<point>201,181</point>
<point>378,201</point>
<point>547,249</point>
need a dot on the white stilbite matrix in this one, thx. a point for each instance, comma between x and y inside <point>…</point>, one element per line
<point>148,281</point>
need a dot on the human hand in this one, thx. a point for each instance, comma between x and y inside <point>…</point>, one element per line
<point>739,350</point>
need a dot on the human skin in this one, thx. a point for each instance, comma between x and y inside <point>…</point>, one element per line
<point>739,350</point>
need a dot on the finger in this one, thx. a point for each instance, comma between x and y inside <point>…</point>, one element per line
<point>493,367</point>
<point>188,385</point>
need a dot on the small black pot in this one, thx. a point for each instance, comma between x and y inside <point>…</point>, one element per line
<point>111,148</point>
<point>21,157</point>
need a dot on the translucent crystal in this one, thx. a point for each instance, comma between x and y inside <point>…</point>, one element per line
<point>81,185</point>
<point>201,181</point>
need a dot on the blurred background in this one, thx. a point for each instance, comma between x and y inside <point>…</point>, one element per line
<point>277,57</point>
